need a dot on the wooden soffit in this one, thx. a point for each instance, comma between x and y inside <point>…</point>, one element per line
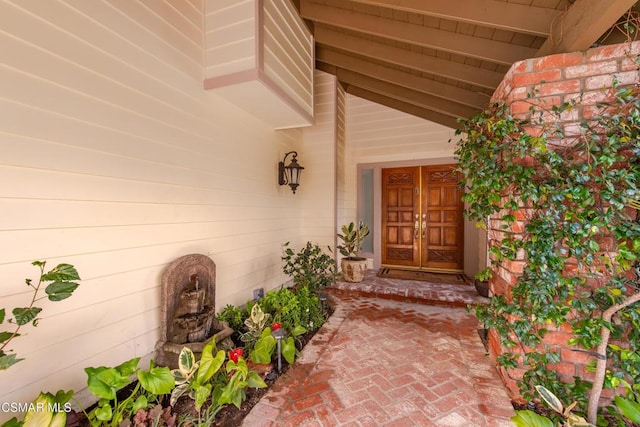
<point>442,59</point>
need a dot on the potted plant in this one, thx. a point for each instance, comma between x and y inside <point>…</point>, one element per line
<point>353,267</point>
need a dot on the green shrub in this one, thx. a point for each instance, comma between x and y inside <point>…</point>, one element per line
<point>294,309</point>
<point>311,266</point>
<point>234,316</point>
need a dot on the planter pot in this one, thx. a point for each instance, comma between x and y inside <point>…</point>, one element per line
<point>353,269</point>
<point>482,287</point>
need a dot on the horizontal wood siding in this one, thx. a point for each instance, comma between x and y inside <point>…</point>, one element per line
<point>288,52</point>
<point>376,133</point>
<point>318,178</point>
<point>113,158</point>
<point>230,38</point>
<point>346,196</point>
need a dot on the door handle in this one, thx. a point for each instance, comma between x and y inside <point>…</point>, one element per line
<point>424,225</point>
<point>416,227</point>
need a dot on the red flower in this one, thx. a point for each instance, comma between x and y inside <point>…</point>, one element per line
<point>235,354</point>
<point>276,326</point>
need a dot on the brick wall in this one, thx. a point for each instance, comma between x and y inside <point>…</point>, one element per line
<point>555,79</point>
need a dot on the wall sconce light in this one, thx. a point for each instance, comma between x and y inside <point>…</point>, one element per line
<point>290,174</point>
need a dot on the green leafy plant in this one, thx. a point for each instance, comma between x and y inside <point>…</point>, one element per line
<point>527,418</point>
<point>531,419</point>
<point>201,382</point>
<point>352,238</point>
<point>195,378</point>
<point>297,312</point>
<point>254,325</point>
<point>562,211</point>
<point>47,410</point>
<point>266,345</point>
<point>629,408</point>
<point>240,377</point>
<point>106,382</point>
<point>234,316</point>
<point>311,266</point>
<point>59,286</point>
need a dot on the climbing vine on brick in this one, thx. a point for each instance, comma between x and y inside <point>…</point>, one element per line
<point>559,207</point>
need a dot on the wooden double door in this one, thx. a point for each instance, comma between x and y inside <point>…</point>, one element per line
<point>422,222</point>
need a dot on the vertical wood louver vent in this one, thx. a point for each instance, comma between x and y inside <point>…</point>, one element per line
<point>259,55</point>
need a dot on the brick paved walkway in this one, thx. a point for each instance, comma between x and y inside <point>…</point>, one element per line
<point>378,362</point>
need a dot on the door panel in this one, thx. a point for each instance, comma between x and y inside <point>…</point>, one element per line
<point>400,202</point>
<point>443,249</point>
<point>422,223</point>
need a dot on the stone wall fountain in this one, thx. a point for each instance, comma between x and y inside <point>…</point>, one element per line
<point>188,309</point>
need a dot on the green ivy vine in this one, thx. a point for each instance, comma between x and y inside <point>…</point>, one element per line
<point>561,205</point>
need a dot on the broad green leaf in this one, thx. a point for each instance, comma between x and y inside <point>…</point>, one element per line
<point>178,377</point>
<point>298,330</point>
<point>257,315</point>
<point>105,382</point>
<point>209,365</point>
<point>263,349</point>
<point>58,291</point>
<point>242,368</point>
<point>25,315</point>
<point>628,408</point>
<point>61,272</point>
<point>140,403</point>
<point>2,314</point>
<point>4,336</point>
<point>177,393</point>
<point>41,415</point>
<point>128,368</point>
<point>8,360</point>
<point>550,398</point>
<point>289,350</point>
<point>186,360</point>
<point>231,393</point>
<point>13,422</point>
<point>63,397</point>
<point>157,380</point>
<point>59,419</point>
<point>530,419</point>
<point>104,413</point>
<point>260,355</point>
<point>254,380</point>
<point>202,393</point>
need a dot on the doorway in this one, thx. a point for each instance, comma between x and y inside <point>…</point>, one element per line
<point>422,222</point>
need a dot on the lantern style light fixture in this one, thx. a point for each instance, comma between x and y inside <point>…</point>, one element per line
<point>290,174</point>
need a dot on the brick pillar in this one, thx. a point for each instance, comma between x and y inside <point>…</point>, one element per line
<point>552,80</point>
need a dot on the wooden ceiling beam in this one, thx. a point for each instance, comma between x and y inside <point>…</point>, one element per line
<point>403,94</point>
<point>423,113</point>
<point>583,23</point>
<point>402,78</point>
<point>462,44</point>
<point>489,13</point>
<point>406,58</point>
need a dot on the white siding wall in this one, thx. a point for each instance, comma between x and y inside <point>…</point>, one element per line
<point>376,133</point>
<point>113,158</point>
<point>318,179</point>
<point>345,204</point>
<point>230,37</point>
<point>288,53</point>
